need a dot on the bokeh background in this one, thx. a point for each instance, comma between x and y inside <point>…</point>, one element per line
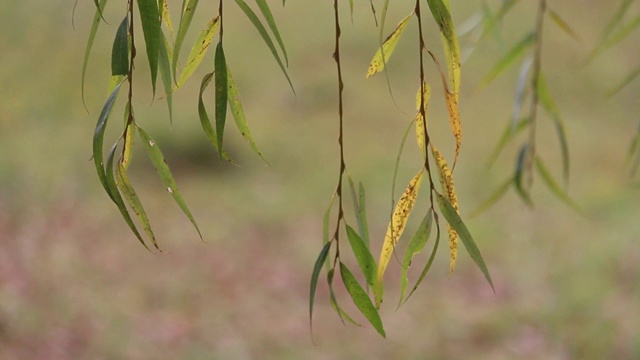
<point>75,283</point>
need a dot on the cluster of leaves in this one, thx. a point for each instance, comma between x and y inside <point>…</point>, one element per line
<point>442,200</point>
<point>163,47</point>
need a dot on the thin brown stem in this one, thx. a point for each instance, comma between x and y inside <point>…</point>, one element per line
<point>339,189</point>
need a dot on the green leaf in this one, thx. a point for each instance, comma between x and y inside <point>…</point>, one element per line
<point>268,16</point>
<point>153,150</point>
<point>188,9</point>
<point>415,246</point>
<point>458,225</point>
<point>221,93</point>
<point>115,195</point>
<point>265,37</point>
<point>199,50</point>
<point>427,266</point>
<point>521,168</point>
<point>238,113</point>
<point>442,16</point>
<point>497,195</point>
<point>98,139</point>
<point>547,178</point>
<point>363,255</point>
<point>552,109</point>
<point>164,65</point>
<point>360,299</point>
<point>359,203</point>
<point>562,24</point>
<point>204,118</point>
<point>509,133</point>
<point>626,81</point>
<point>325,223</point>
<point>314,279</point>
<point>151,28</point>
<point>90,40</point>
<point>513,55</point>
<point>120,50</point>
<point>334,302</point>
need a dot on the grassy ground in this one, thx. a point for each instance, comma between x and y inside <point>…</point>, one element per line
<point>75,284</point>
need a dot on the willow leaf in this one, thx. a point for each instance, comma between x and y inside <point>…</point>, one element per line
<point>427,266</point>
<point>421,123</point>
<point>562,24</point>
<point>199,50</point>
<point>448,187</point>
<point>92,36</point>
<point>186,16</point>
<point>626,81</point>
<point>120,50</point>
<point>454,122</point>
<point>151,28</point>
<point>456,222</point>
<point>130,195</point>
<point>552,109</point>
<point>117,198</point>
<point>265,37</point>
<point>268,16</point>
<point>166,17</point>
<point>440,12</point>
<point>363,255</point>
<point>237,112</point>
<point>394,231</point>
<point>359,206</point>
<point>547,178</point>
<point>98,139</point>
<point>514,54</point>
<point>221,93</point>
<point>204,118</point>
<point>164,66</point>
<point>334,301</point>
<point>314,279</point>
<point>497,195</point>
<point>509,133</point>
<point>385,51</point>
<point>165,175</point>
<point>415,246</point>
<point>521,169</point>
<point>360,299</point>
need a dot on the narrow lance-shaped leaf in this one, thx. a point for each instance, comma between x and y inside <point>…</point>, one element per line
<point>547,178</point>
<point>166,18</point>
<point>165,175</point>
<point>221,93</point>
<point>360,299</point>
<point>90,40</point>
<point>237,111</point>
<point>456,222</point>
<point>509,59</point>
<point>626,81</point>
<point>199,50</point>
<point>394,231</point>
<point>120,50</point>
<point>314,279</point>
<point>265,37</point>
<point>497,195</point>
<point>386,49</point>
<point>421,123</point>
<point>440,12</point>
<point>268,16</point>
<point>334,301</point>
<point>415,246</point>
<point>164,65</point>
<point>454,122</point>
<point>363,255</point>
<point>358,199</point>
<point>521,170</point>
<point>552,109</point>
<point>188,9</point>
<point>427,266</point>
<point>151,28</point>
<point>521,91</point>
<point>117,198</point>
<point>325,223</point>
<point>204,118</point>
<point>509,133</point>
<point>562,24</point>
<point>448,187</point>
<point>98,139</point>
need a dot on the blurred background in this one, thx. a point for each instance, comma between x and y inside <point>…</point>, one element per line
<point>76,284</point>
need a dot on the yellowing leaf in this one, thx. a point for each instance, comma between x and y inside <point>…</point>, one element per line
<point>454,121</point>
<point>386,49</point>
<point>446,180</point>
<point>199,50</point>
<point>440,12</point>
<point>395,229</point>
<point>421,124</point>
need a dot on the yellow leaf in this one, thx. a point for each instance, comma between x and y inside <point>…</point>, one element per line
<point>446,180</point>
<point>395,229</point>
<point>384,52</point>
<point>421,124</point>
<point>166,17</point>
<point>454,121</point>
